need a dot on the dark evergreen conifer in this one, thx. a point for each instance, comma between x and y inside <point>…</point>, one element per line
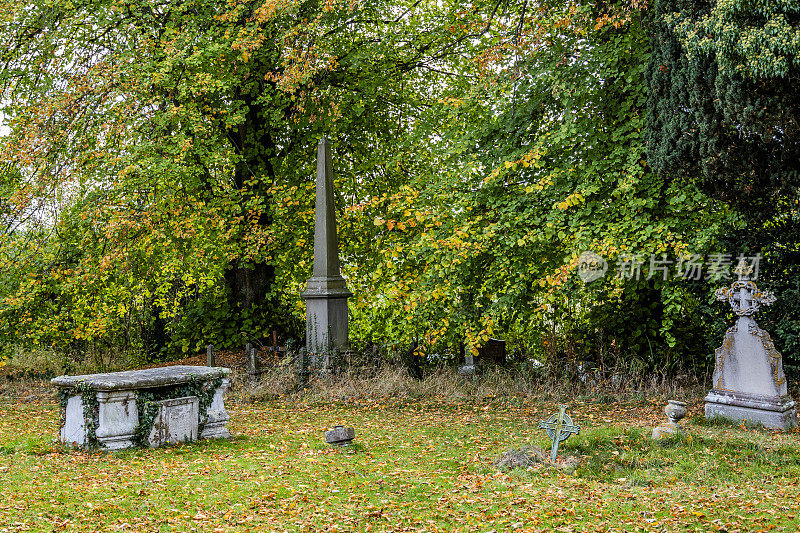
<point>733,125</point>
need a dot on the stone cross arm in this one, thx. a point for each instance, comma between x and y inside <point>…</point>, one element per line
<point>560,428</point>
<point>744,297</point>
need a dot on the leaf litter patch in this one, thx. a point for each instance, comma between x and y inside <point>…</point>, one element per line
<point>533,456</point>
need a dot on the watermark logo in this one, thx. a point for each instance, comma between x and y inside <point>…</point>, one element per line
<point>591,266</point>
<point>714,267</point>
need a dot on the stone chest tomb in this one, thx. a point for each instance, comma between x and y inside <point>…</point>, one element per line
<point>148,407</point>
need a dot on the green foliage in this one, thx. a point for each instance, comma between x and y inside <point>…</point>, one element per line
<point>755,38</point>
<point>722,114</point>
<point>157,193</point>
<point>175,148</point>
<point>733,131</point>
<point>544,159</point>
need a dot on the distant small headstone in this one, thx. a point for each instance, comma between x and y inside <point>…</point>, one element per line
<point>558,428</point>
<point>494,352</point>
<point>340,436</point>
<point>211,359</point>
<point>468,368</point>
<point>253,363</point>
<point>675,412</point>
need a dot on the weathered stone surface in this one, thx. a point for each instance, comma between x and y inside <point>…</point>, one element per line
<point>118,416</point>
<point>326,323</point>
<point>340,435</point>
<point>675,412</point>
<point>216,416</point>
<point>468,368</point>
<point>74,430</point>
<point>176,421</point>
<point>749,383</point>
<point>326,240</point>
<point>748,362</point>
<point>143,379</point>
<point>776,412</point>
<point>326,291</point>
<point>211,356</point>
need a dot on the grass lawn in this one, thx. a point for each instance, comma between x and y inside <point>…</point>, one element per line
<point>423,466</point>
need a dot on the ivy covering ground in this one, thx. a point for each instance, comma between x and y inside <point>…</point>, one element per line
<point>416,467</point>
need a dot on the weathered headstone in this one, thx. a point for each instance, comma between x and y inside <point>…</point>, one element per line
<point>253,365</point>
<point>468,368</point>
<point>675,412</point>
<point>493,352</point>
<point>326,291</point>
<point>211,359</point>
<point>748,382</point>
<point>558,428</point>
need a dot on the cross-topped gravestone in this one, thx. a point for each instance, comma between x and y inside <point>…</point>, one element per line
<point>558,428</point>
<point>748,382</point>
<point>326,292</point>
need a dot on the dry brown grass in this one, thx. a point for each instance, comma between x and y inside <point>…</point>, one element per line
<point>442,384</point>
<point>445,384</point>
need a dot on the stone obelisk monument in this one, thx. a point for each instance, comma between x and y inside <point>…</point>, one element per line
<point>326,291</point>
<point>749,383</point>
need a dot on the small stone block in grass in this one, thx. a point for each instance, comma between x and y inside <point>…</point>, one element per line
<point>340,436</point>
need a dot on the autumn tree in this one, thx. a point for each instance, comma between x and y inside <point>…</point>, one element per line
<point>545,158</point>
<point>158,187</point>
<point>175,142</point>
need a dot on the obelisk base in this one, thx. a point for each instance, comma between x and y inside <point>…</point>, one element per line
<point>327,332</point>
<point>774,412</point>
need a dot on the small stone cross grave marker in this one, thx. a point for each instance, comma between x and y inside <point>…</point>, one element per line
<point>558,428</point>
